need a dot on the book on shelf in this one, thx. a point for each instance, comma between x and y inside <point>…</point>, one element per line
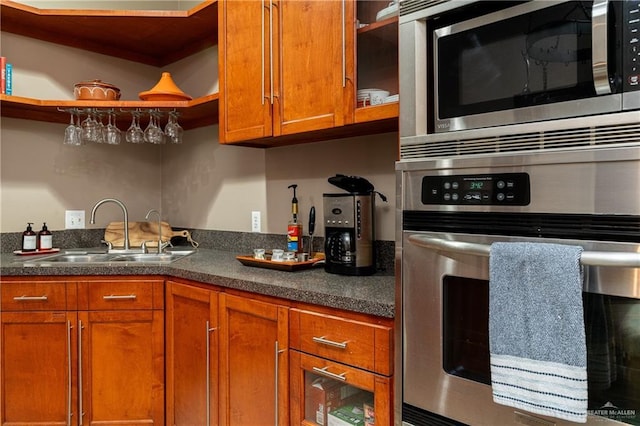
<point>3,75</point>
<point>9,78</point>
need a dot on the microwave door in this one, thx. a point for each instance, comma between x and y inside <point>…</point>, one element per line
<point>535,61</point>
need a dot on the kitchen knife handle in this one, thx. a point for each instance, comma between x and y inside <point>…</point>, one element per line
<point>312,220</point>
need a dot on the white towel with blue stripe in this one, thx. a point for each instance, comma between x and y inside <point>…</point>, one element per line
<point>536,329</point>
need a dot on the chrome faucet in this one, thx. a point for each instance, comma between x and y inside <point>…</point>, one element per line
<point>160,244</point>
<point>124,211</point>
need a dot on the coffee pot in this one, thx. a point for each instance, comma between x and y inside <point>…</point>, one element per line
<point>349,220</point>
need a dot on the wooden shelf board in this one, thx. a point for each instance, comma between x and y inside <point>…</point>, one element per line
<point>150,37</point>
<point>198,112</point>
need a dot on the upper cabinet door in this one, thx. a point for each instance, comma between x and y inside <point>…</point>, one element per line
<point>286,67</point>
<point>245,64</point>
<point>315,65</point>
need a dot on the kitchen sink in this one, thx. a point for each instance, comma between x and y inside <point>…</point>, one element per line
<point>75,257</point>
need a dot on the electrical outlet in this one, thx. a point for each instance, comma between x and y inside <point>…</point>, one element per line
<point>255,221</point>
<point>74,219</point>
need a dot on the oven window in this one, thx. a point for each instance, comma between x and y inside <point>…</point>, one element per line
<point>466,328</point>
<point>612,327</point>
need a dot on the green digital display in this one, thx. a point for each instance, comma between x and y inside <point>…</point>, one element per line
<point>476,185</point>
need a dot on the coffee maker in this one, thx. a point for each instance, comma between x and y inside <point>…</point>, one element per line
<point>349,223</point>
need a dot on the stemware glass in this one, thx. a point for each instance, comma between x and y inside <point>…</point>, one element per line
<point>112,135</point>
<point>72,131</point>
<point>173,130</point>
<point>134,133</point>
<point>153,133</point>
<point>91,130</point>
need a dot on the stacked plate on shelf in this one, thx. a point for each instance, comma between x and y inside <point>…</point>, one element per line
<point>367,97</point>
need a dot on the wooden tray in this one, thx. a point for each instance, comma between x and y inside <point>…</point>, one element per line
<point>249,260</point>
<point>29,253</point>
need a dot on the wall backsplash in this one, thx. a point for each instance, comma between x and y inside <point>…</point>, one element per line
<point>237,242</point>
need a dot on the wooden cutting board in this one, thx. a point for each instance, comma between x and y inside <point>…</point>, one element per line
<point>140,232</point>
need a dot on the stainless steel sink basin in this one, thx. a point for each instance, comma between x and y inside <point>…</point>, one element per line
<point>85,258</point>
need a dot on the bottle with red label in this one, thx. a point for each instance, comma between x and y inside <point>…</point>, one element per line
<point>294,229</point>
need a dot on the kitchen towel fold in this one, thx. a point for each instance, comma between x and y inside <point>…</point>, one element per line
<point>536,329</point>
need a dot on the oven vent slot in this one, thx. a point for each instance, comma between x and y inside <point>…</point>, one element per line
<point>410,6</point>
<point>568,139</point>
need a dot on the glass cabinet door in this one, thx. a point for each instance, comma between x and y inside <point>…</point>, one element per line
<point>326,392</point>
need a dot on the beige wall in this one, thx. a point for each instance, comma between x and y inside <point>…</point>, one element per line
<point>199,184</point>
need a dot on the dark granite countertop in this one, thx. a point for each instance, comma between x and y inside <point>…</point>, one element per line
<point>371,294</point>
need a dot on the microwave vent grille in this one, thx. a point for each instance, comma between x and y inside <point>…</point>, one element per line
<point>411,6</point>
<point>566,139</point>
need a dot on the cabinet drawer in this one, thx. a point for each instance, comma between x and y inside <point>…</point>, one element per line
<point>351,342</point>
<point>34,296</point>
<point>116,295</point>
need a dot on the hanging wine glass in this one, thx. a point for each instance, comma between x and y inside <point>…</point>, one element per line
<point>91,131</point>
<point>72,131</point>
<point>134,133</point>
<point>173,130</point>
<point>153,133</point>
<point>112,135</point>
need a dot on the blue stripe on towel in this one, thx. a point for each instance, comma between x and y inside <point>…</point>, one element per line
<point>536,329</point>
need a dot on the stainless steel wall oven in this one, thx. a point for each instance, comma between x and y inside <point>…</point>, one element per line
<point>451,209</point>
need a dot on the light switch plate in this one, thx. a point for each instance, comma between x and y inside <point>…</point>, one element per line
<point>74,219</point>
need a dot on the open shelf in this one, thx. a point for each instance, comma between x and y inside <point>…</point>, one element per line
<point>198,112</point>
<point>151,37</point>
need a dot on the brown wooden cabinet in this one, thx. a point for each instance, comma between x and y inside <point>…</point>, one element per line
<point>288,70</point>
<point>227,358</point>
<point>254,362</point>
<point>337,362</point>
<point>67,361</point>
<point>192,355</point>
<point>286,67</point>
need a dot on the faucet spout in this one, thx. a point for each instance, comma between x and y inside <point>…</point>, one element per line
<point>124,211</point>
<point>159,227</point>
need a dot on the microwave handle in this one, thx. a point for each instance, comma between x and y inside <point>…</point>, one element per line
<point>591,258</point>
<point>599,44</point>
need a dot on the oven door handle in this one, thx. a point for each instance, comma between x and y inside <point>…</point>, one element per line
<point>591,258</point>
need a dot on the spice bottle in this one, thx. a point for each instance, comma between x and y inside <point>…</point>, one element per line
<point>45,238</point>
<point>29,239</point>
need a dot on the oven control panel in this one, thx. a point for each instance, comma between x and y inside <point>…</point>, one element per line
<point>492,189</point>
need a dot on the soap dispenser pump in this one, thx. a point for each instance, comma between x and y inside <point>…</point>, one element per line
<point>45,238</point>
<point>29,239</point>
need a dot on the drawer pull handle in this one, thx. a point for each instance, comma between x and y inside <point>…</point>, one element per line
<point>120,297</point>
<point>325,371</point>
<point>25,297</point>
<point>322,340</point>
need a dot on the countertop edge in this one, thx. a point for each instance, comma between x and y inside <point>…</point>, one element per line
<point>373,295</point>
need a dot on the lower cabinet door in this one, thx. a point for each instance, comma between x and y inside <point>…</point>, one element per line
<point>192,355</point>
<point>325,392</point>
<point>121,373</point>
<point>254,344</point>
<point>38,368</point>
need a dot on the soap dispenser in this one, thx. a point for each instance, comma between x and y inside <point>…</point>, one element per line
<point>45,238</point>
<point>29,239</point>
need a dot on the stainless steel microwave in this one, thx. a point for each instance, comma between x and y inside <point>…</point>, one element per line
<point>478,64</point>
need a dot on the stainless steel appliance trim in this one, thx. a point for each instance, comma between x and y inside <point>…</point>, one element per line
<point>578,133</point>
<point>411,10</point>
<point>591,258</point>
